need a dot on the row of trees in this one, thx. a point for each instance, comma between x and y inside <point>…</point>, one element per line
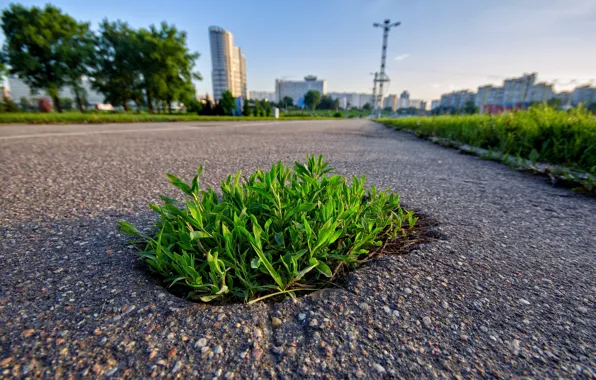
<point>50,50</point>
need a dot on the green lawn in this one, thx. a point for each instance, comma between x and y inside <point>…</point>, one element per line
<point>99,118</point>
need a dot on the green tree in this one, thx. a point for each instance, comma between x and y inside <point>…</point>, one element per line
<point>246,111</point>
<point>227,102</point>
<point>328,103</point>
<point>367,107</point>
<point>44,46</point>
<point>207,109</point>
<point>554,103</point>
<point>67,103</point>
<point>287,102</point>
<point>268,110</point>
<point>470,107</point>
<point>166,65</point>
<point>257,108</point>
<point>193,106</point>
<point>312,98</point>
<point>24,103</point>
<point>8,105</point>
<point>117,67</point>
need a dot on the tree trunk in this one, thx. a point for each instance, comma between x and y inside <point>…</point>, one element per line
<point>125,105</point>
<point>79,100</point>
<point>138,103</point>
<point>149,102</point>
<point>57,104</point>
<point>169,107</point>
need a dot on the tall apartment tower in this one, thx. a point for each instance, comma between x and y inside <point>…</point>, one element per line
<point>228,64</point>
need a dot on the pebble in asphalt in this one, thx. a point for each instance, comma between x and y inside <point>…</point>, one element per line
<point>509,291</point>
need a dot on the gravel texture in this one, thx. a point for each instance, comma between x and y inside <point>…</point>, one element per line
<point>509,291</point>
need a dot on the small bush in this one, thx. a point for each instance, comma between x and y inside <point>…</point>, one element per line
<point>7,105</point>
<point>45,105</point>
<point>337,114</point>
<point>275,232</point>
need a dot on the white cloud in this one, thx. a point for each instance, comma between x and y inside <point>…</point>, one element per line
<point>435,85</point>
<point>401,57</point>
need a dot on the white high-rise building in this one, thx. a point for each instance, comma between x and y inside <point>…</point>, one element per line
<point>297,89</point>
<point>228,64</point>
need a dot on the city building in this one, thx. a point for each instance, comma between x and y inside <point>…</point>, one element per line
<point>495,96</point>
<point>415,103</point>
<point>457,99</point>
<point>262,95</point>
<point>482,96</point>
<point>297,89</point>
<point>18,89</point>
<point>564,97</point>
<point>516,93</point>
<point>404,100</point>
<point>540,92</point>
<point>228,64</point>
<point>515,90</point>
<point>390,101</point>
<point>583,94</point>
<point>435,104</point>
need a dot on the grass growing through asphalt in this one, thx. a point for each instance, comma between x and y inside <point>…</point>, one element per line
<point>539,134</point>
<point>276,232</point>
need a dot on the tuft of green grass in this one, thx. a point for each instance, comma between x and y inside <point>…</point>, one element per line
<point>275,232</point>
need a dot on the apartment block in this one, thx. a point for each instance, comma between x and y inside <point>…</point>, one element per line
<point>583,95</point>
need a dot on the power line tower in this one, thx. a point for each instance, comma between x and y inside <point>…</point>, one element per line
<point>382,77</point>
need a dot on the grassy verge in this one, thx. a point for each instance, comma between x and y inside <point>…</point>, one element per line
<point>99,118</point>
<point>277,232</point>
<point>538,137</point>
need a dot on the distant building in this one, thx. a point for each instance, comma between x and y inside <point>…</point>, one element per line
<point>516,90</point>
<point>297,89</point>
<point>540,92</point>
<point>564,97</point>
<point>262,95</point>
<point>352,99</point>
<point>482,96</point>
<point>228,64</point>
<point>457,99</point>
<point>390,101</point>
<point>583,95</point>
<point>404,100</point>
<point>435,104</point>
<point>18,89</point>
<point>415,103</point>
<point>496,96</point>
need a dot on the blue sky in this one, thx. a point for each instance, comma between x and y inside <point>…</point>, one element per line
<point>442,45</point>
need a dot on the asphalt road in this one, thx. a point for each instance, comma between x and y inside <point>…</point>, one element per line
<point>509,290</point>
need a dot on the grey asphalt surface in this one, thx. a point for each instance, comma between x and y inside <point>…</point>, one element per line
<point>509,290</point>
